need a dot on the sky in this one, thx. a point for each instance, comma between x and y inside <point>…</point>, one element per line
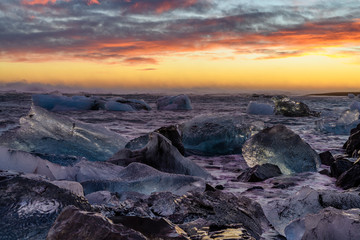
<point>181,44</point>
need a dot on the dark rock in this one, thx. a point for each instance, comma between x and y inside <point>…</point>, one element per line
<point>259,173</point>
<point>325,172</point>
<point>28,207</point>
<point>75,224</point>
<point>326,158</point>
<point>172,133</point>
<point>340,166</point>
<point>208,187</point>
<point>219,187</point>
<point>352,145</point>
<point>350,178</point>
<point>160,154</point>
<point>156,228</point>
<point>288,108</point>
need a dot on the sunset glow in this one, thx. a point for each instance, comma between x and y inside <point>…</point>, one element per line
<point>235,44</point>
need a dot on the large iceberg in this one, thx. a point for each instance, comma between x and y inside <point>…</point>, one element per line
<point>217,135</point>
<point>64,103</point>
<point>180,102</point>
<point>280,146</point>
<point>50,133</point>
<point>256,108</point>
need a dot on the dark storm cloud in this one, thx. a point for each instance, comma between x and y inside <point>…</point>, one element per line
<point>131,30</point>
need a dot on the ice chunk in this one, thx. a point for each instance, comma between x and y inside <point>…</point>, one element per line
<point>63,103</point>
<point>217,135</point>
<point>24,162</point>
<point>351,95</point>
<point>347,121</point>
<point>329,223</point>
<point>260,108</point>
<point>144,179</point>
<point>122,104</point>
<point>355,106</point>
<point>86,170</point>
<point>289,108</point>
<point>50,133</point>
<point>280,146</point>
<point>162,155</point>
<point>180,102</point>
<point>72,186</point>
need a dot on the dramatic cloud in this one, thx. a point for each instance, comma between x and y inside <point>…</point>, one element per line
<point>138,31</point>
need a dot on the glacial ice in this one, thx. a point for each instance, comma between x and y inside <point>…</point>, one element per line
<point>86,171</point>
<point>355,106</point>
<point>180,102</point>
<point>116,106</point>
<point>289,108</point>
<point>348,120</point>
<point>280,146</point>
<point>162,155</point>
<point>50,133</point>
<point>351,95</point>
<point>256,108</point>
<point>63,103</point>
<point>144,179</point>
<point>217,135</point>
<point>122,104</point>
<point>328,224</point>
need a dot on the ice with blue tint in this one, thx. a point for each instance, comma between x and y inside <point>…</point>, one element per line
<point>116,106</point>
<point>343,125</point>
<point>280,146</point>
<point>355,106</point>
<point>63,103</point>
<point>217,135</point>
<point>256,108</point>
<point>50,133</point>
<point>180,102</point>
<point>126,105</point>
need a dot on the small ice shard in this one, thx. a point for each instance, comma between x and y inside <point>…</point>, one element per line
<point>51,133</point>
<point>280,146</point>
<point>329,224</point>
<point>144,179</point>
<point>180,102</point>
<point>289,108</point>
<point>162,155</point>
<point>351,95</point>
<point>256,108</point>
<point>217,135</point>
<point>63,103</point>
<point>122,104</point>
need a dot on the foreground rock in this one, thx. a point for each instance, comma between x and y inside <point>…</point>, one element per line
<point>180,102</point>
<point>350,178</point>
<point>160,154</point>
<point>328,224</point>
<point>280,146</point>
<point>259,173</point>
<point>144,179</point>
<point>202,212</point>
<point>326,158</point>
<point>46,132</point>
<point>289,108</point>
<point>29,206</point>
<point>75,224</point>
<point>339,166</point>
<point>217,135</point>
<point>352,145</point>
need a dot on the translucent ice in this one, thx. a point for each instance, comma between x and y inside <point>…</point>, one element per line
<point>347,121</point>
<point>122,104</point>
<point>280,146</point>
<point>116,106</point>
<point>46,132</point>
<point>180,102</point>
<point>63,103</point>
<point>355,106</point>
<point>217,135</point>
<point>260,108</point>
<point>289,108</point>
<point>144,179</point>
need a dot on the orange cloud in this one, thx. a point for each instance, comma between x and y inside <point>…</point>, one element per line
<point>38,2</point>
